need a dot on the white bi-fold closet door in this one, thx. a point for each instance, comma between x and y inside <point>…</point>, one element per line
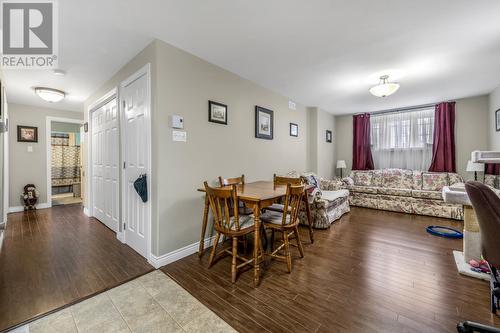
<point>105,164</point>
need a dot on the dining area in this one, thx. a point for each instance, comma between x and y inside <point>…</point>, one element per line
<point>263,214</point>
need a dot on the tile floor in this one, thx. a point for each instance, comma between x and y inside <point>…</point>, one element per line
<point>150,303</point>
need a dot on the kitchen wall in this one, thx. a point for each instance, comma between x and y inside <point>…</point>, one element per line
<point>30,167</point>
<point>471,132</point>
<point>494,105</point>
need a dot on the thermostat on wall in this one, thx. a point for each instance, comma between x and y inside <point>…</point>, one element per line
<point>176,121</point>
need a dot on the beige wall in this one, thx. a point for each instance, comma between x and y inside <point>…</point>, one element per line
<point>326,150</point>
<point>494,105</point>
<point>186,84</point>
<point>25,167</point>
<point>471,132</point>
<point>343,142</point>
<point>182,84</point>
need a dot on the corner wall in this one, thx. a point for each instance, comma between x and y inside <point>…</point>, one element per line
<point>25,167</point>
<point>494,105</point>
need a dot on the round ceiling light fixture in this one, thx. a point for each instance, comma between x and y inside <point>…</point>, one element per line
<point>50,95</point>
<point>384,88</point>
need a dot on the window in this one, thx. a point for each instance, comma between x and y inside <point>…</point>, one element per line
<point>403,139</point>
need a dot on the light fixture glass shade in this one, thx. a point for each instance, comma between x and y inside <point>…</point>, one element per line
<point>50,95</point>
<point>341,164</point>
<point>475,167</point>
<point>384,88</point>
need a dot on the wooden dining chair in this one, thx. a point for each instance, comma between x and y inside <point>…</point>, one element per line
<point>229,224</point>
<point>236,181</point>
<point>287,223</point>
<point>280,180</point>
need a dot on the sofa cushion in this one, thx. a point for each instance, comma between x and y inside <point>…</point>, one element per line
<point>417,180</point>
<point>331,184</point>
<point>434,181</point>
<point>454,178</point>
<point>423,194</point>
<point>397,178</point>
<point>362,178</point>
<point>363,189</point>
<point>402,192</point>
<point>377,178</point>
<point>492,181</point>
<point>334,195</point>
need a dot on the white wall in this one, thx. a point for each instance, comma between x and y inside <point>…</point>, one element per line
<point>471,132</point>
<point>30,167</point>
<point>494,105</point>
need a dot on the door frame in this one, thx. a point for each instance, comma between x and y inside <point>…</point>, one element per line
<point>48,131</point>
<point>89,197</point>
<point>145,70</point>
<point>115,93</point>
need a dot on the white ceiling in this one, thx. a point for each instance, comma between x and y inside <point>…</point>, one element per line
<point>324,53</point>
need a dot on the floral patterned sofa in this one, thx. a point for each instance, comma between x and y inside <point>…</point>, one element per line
<point>328,201</point>
<point>407,191</point>
<point>492,180</point>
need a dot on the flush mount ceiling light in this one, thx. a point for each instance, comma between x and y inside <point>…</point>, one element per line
<point>50,95</point>
<point>384,88</point>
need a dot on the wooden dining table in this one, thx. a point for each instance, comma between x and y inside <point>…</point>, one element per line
<point>256,195</point>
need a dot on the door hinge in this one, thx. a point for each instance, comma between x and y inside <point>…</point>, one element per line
<point>124,164</point>
<point>124,226</point>
<point>123,103</point>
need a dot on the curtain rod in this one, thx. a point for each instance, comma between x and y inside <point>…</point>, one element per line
<point>404,109</point>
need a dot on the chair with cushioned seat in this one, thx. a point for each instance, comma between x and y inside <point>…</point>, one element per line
<point>287,223</point>
<point>486,204</point>
<point>228,222</point>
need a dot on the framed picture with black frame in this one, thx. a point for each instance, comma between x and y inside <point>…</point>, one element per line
<point>264,123</point>
<point>294,130</point>
<point>328,136</point>
<point>217,113</point>
<point>497,119</point>
<point>27,133</point>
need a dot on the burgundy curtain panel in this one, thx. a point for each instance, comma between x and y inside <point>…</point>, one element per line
<point>492,169</point>
<point>361,150</point>
<point>443,150</point>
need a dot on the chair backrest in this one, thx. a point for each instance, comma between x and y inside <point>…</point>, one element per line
<point>487,208</point>
<point>280,180</point>
<point>220,200</point>
<point>292,203</point>
<point>232,181</point>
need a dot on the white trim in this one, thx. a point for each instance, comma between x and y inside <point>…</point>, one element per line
<point>48,130</point>
<point>86,211</point>
<point>17,209</point>
<point>121,234</point>
<point>113,93</point>
<point>178,254</point>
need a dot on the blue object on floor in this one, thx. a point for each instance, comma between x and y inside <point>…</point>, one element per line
<point>444,232</point>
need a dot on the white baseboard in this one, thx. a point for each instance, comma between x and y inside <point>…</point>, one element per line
<point>86,211</point>
<point>185,251</point>
<point>16,209</point>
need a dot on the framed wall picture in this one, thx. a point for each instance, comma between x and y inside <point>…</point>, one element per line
<point>328,136</point>
<point>27,134</point>
<point>264,123</point>
<point>497,119</point>
<point>217,113</point>
<point>294,129</point>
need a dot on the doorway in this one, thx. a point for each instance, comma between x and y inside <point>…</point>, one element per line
<point>64,161</point>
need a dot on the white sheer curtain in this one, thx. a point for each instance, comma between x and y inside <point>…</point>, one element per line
<point>403,139</point>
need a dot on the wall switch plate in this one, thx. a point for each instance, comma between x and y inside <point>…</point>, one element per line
<point>292,105</point>
<point>30,149</point>
<point>176,121</point>
<point>179,136</point>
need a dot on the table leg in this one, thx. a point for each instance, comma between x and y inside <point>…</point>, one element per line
<point>256,246</point>
<point>203,227</point>
<point>309,219</point>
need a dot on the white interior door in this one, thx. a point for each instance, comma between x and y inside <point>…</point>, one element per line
<point>105,163</point>
<point>134,96</point>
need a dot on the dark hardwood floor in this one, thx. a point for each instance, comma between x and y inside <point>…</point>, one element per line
<point>372,271</point>
<point>54,257</point>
